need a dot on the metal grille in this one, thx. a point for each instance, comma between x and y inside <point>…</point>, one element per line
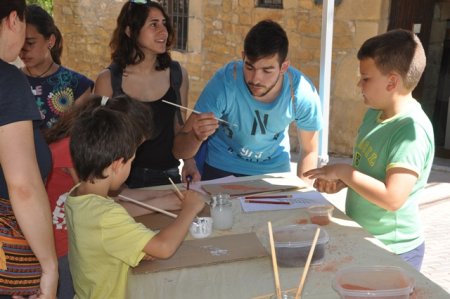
<point>178,10</point>
<point>270,3</point>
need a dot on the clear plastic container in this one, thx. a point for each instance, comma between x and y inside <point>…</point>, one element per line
<point>381,282</point>
<point>293,242</point>
<point>320,214</point>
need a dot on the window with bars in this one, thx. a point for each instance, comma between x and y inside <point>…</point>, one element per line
<point>270,3</point>
<point>178,10</point>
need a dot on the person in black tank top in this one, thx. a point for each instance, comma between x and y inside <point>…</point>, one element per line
<point>143,69</point>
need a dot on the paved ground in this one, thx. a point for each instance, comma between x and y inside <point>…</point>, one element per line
<point>435,212</point>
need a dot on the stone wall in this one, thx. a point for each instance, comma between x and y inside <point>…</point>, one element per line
<point>216,32</point>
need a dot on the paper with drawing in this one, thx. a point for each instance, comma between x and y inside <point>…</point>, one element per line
<point>268,184</point>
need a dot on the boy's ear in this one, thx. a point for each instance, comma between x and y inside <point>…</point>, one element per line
<point>393,81</point>
<point>116,164</point>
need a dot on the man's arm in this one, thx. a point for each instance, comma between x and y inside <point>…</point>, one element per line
<point>309,141</point>
<point>197,129</point>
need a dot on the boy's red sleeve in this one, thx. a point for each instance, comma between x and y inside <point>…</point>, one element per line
<point>61,154</point>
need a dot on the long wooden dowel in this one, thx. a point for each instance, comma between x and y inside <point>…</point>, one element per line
<point>308,261</point>
<point>149,206</point>
<point>180,195</point>
<point>274,262</point>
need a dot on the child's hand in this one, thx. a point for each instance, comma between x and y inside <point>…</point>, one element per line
<point>329,186</point>
<point>328,172</point>
<point>193,200</point>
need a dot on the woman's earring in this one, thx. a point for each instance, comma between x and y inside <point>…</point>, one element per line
<point>50,47</point>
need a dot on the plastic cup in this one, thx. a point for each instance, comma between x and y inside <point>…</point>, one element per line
<point>320,214</point>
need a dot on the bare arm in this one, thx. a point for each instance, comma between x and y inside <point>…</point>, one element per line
<point>389,195</point>
<point>102,85</point>
<point>309,141</point>
<point>84,97</point>
<point>29,198</point>
<point>166,242</point>
<point>197,129</point>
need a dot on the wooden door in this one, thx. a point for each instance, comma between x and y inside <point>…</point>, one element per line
<point>415,15</point>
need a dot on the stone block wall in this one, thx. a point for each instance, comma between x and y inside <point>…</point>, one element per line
<point>216,32</point>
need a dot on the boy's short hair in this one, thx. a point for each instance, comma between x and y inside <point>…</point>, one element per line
<point>397,50</point>
<point>101,136</point>
<point>265,39</point>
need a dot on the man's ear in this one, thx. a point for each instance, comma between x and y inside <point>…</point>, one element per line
<point>285,66</point>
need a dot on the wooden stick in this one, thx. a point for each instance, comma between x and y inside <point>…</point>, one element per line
<point>274,262</point>
<point>197,112</point>
<point>308,261</point>
<point>149,206</point>
<point>180,195</point>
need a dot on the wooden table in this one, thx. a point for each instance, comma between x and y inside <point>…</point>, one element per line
<point>349,244</point>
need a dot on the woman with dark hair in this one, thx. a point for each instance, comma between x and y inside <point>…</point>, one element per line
<point>143,69</point>
<point>28,264</point>
<point>55,87</point>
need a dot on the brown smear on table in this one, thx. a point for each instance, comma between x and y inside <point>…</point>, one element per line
<point>353,287</point>
<point>333,266</point>
<point>302,221</point>
<point>320,220</point>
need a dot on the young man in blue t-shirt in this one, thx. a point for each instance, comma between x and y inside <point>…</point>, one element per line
<point>259,97</point>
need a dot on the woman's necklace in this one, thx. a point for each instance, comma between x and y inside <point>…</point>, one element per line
<point>39,76</point>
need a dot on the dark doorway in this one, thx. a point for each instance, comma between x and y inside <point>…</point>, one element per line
<point>415,15</point>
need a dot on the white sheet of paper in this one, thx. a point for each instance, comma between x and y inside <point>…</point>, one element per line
<point>298,200</point>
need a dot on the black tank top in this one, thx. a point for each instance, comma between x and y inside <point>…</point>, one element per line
<point>157,152</point>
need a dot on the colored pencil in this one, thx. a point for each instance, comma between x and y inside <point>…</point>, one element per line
<point>269,202</point>
<point>268,196</point>
<point>197,112</point>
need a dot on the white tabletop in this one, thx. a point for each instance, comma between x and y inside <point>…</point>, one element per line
<point>349,245</point>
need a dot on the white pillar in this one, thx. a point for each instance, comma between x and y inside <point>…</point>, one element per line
<point>325,75</point>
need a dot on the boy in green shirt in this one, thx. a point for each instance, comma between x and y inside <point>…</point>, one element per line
<point>104,240</point>
<point>394,149</point>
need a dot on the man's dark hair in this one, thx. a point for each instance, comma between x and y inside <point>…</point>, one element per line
<point>266,39</point>
<point>100,137</point>
<point>125,49</point>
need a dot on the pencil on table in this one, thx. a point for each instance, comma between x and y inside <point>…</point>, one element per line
<point>269,202</point>
<point>268,196</point>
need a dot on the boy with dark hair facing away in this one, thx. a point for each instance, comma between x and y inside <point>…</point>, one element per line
<point>394,149</point>
<point>104,240</point>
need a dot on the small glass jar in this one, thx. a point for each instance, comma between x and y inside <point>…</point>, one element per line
<point>222,211</point>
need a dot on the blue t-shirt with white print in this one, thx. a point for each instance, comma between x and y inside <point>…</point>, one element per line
<point>257,141</point>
